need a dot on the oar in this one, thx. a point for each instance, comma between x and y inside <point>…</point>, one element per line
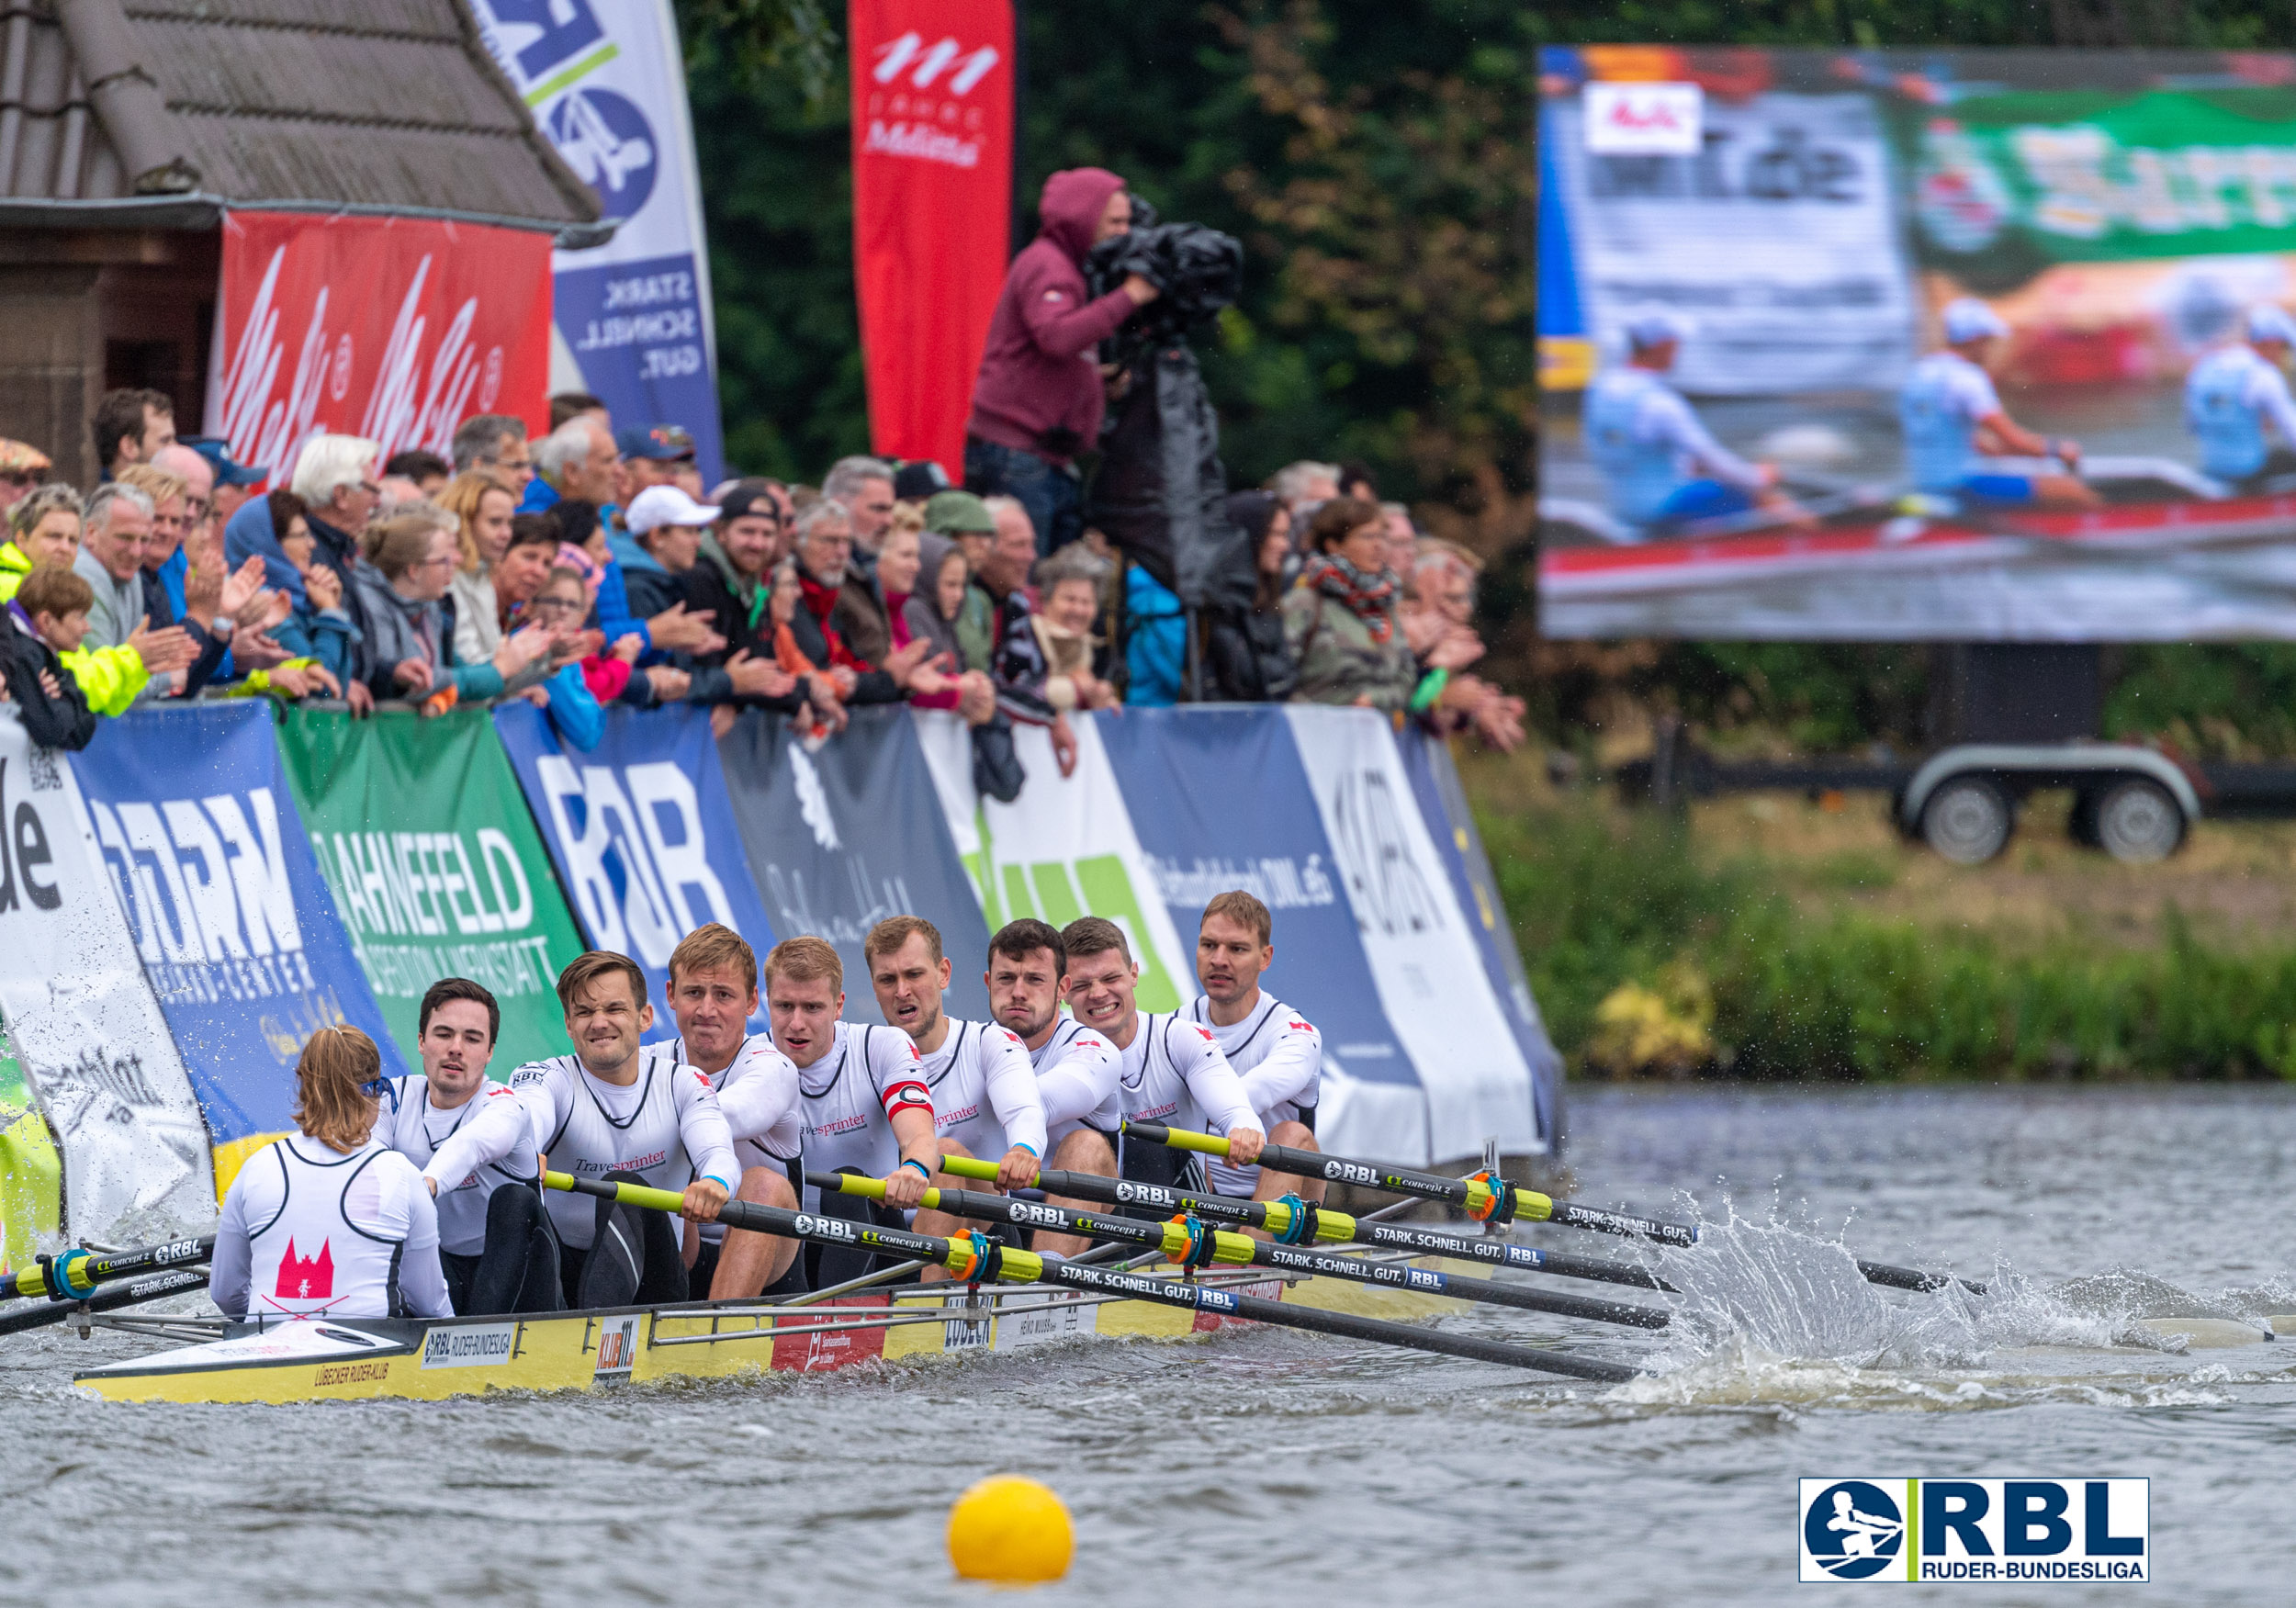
<point>173,1283</point>
<point>1293,1224</point>
<point>1494,1200</point>
<point>979,1259</point>
<point>70,1275</point>
<point>1191,1244</point>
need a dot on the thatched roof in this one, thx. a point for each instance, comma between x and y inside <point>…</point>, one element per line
<point>164,108</point>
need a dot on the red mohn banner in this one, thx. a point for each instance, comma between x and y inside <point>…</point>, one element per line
<point>396,329</point>
<point>932,210</point>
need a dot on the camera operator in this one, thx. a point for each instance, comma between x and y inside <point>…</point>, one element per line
<point>1039,399</point>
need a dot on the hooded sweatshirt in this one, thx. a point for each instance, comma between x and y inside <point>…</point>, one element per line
<point>1039,389</point>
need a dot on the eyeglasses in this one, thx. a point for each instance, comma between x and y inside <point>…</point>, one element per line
<point>516,465</point>
<point>24,479</point>
<point>377,1087</point>
<point>559,606</point>
<point>443,558</point>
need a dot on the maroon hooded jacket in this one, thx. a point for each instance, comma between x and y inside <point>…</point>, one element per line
<point>1040,371</point>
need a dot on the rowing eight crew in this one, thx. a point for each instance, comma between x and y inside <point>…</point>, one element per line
<point>420,1196</point>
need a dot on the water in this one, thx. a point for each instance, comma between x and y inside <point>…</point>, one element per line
<point>1267,1466</point>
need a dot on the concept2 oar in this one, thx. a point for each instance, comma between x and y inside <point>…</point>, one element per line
<point>1193,1244</point>
<point>1494,1200</point>
<point>1293,1224</point>
<point>72,1275</point>
<point>979,1259</point>
<point>151,1288</point>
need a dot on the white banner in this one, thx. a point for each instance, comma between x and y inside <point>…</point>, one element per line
<point>1777,240</point>
<point>1430,978</point>
<point>95,1049</point>
<point>606,81</point>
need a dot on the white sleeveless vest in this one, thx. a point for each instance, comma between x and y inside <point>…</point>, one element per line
<point>310,1260</point>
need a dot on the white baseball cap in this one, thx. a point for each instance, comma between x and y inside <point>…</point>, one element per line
<point>1647,330</point>
<point>2271,323</point>
<point>1967,319</point>
<point>665,505</point>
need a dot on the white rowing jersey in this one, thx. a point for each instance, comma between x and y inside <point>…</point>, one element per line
<point>757,1092</point>
<point>1279,1056</point>
<point>2229,399</point>
<point>984,1091</point>
<point>1077,1079</point>
<point>665,1127</point>
<point>1173,1073</point>
<point>1939,407</point>
<point>309,1232</point>
<point>848,1098</point>
<point>469,1152</point>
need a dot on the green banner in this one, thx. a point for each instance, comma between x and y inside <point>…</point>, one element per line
<point>2008,183</point>
<point>423,837</point>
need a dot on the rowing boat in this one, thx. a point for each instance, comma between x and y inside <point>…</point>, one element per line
<point>416,1359</point>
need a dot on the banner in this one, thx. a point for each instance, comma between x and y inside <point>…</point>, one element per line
<point>932,84</point>
<point>1259,830</point>
<point>238,934</point>
<point>31,1173</point>
<point>394,329</point>
<point>849,834</point>
<point>606,82</point>
<point>642,832</point>
<point>1064,848</point>
<point>87,1034</point>
<point>1429,978</point>
<point>438,871</point>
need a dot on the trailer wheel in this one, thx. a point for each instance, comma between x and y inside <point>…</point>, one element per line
<point>2138,823</point>
<point>1967,820</point>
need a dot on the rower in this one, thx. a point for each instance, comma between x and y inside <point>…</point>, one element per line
<point>2234,393</point>
<point>1075,1067</point>
<point>1663,467</point>
<point>1272,1047</point>
<point>471,1138</point>
<point>862,1094</point>
<point>1952,416</point>
<point>982,1084</point>
<point>1172,1071</point>
<point>330,1221</point>
<point>618,1110</point>
<point>712,995</point>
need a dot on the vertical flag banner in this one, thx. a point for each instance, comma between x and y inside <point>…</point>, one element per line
<point>423,837</point>
<point>932,206</point>
<point>849,834</point>
<point>606,81</point>
<point>642,832</point>
<point>237,931</point>
<point>87,1036</point>
<point>396,329</point>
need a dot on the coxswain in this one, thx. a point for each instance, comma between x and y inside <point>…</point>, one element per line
<point>621,1111</point>
<point>1274,1048</point>
<point>330,1221</point>
<point>2234,396</point>
<point>1952,417</point>
<point>712,995</point>
<point>1172,1071</point>
<point>1662,467</point>
<point>476,1151</point>
<point>1075,1067</point>
<point>983,1090</point>
<point>863,1095</point>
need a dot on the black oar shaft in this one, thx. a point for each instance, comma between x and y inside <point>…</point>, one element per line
<point>180,1281</point>
<point>70,1275</point>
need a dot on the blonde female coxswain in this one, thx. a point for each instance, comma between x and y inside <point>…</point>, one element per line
<point>330,1221</point>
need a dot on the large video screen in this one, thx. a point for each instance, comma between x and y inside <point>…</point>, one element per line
<point>1898,346</point>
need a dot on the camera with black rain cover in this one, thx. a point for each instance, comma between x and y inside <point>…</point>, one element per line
<point>1198,271</point>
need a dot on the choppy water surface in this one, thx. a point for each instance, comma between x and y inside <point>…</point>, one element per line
<point>1267,1466</point>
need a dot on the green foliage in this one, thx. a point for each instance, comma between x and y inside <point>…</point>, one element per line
<point>1600,900</point>
<point>766,44</point>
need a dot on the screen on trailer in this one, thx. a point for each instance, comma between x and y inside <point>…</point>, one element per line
<point>1912,346</point>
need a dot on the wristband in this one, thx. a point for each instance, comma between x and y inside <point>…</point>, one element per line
<point>1024,1144</point>
<point>923,1170</point>
<point>721,1183</point>
<point>1430,689</point>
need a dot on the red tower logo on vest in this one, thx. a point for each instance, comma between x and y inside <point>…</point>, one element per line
<point>306,1278</point>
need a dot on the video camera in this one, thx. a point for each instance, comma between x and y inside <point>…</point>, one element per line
<point>1196,269</point>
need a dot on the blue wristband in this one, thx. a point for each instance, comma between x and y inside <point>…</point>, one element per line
<point>1024,1144</point>
<point>721,1183</point>
<point>923,1170</point>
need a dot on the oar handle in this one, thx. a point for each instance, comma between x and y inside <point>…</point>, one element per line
<point>73,1274</point>
<point>968,1167</point>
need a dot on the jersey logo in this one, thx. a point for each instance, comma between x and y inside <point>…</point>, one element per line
<point>1207,1034</point>
<point>1299,1026</point>
<point>306,1278</point>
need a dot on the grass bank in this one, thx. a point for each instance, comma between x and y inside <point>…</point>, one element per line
<point>1765,937</point>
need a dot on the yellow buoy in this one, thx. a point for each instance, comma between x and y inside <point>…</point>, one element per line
<point>1010,1530</point>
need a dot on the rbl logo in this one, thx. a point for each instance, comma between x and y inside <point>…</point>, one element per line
<point>2033,1529</point>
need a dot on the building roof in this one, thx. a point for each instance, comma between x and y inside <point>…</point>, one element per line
<point>162,110</point>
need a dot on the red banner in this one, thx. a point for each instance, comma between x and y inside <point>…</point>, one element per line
<point>932,210</point>
<point>396,329</point>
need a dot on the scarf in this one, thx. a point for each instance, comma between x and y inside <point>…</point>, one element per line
<point>820,602</point>
<point>1369,597</point>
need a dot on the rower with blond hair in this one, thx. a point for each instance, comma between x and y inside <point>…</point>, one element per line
<point>330,1221</point>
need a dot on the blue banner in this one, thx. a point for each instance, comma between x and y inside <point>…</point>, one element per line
<point>237,932</point>
<point>642,833</point>
<point>850,833</point>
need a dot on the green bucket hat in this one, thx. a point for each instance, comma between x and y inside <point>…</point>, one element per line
<point>954,513</point>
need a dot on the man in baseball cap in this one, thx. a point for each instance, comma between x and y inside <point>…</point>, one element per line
<point>1952,419</point>
<point>22,466</point>
<point>2235,394</point>
<point>656,454</point>
<point>233,481</point>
